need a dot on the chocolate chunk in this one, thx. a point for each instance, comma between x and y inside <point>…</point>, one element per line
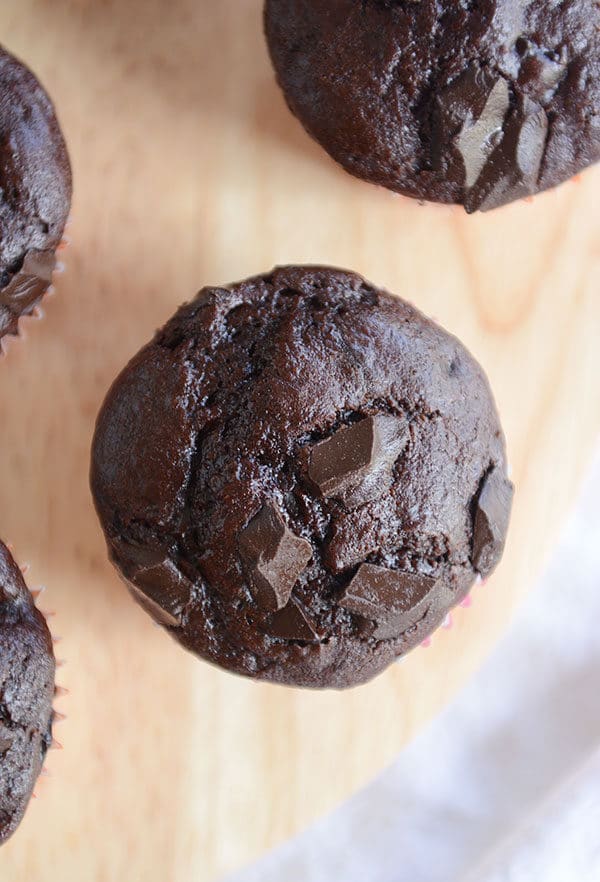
<point>478,138</point>
<point>163,590</point>
<point>491,519</point>
<point>335,342</point>
<point>394,599</point>
<point>148,452</point>
<point>355,465</point>
<point>512,170</point>
<point>31,280</point>
<point>530,141</point>
<point>464,110</point>
<point>27,668</point>
<point>291,623</point>
<point>274,558</point>
<point>25,288</point>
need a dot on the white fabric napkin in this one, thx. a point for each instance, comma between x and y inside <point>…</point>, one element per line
<point>504,786</point>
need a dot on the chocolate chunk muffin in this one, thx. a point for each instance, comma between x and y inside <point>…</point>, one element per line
<point>35,191</point>
<point>26,694</point>
<point>471,103</point>
<point>300,476</point>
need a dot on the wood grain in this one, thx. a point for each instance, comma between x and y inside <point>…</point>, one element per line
<point>190,171</point>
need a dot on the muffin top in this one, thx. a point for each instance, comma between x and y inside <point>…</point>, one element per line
<point>471,103</point>
<point>26,694</point>
<point>300,476</point>
<point>35,191</point>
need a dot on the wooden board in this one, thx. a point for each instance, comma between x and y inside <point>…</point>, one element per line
<point>190,171</point>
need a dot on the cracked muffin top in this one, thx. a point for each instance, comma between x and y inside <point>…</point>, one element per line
<point>300,476</point>
<point>26,694</point>
<point>475,103</point>
<point>35,191</point>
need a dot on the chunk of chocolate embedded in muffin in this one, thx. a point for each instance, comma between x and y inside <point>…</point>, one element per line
<point>275,558</point>
<point>163,590</point>
<point>393,600</point>
<point>300,475</point>
<point>492,514</point>
<point>291,623</point>
<point>35,186</point>
<point>26,694</point>
<point>356,463</point>
<point>476,104</point>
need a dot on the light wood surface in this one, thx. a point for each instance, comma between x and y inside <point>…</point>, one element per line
<point>189,171</point>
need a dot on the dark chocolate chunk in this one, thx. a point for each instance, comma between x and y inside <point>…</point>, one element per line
<point>355,465</point>
<point>501,149</point>
<point>490,524</point>
<point>352,538</point>
<point>152,442</point>
<point>274,558</point>
<point>394,599</point>
<point>292,623</point>
<point>163,590</point>
<point>530,143</point>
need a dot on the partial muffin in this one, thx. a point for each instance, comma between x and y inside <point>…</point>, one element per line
<point>300,476</point>
<point>26,694</point>
<point>35,191</point>
<point>471,103</point>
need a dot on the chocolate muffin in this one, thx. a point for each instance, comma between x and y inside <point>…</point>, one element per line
<point>300,476</point>
<point>471,103</point>
<point>26,694</point>
<point>35,191</point>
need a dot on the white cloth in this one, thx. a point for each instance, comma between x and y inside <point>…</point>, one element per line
<point>504,785</point>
